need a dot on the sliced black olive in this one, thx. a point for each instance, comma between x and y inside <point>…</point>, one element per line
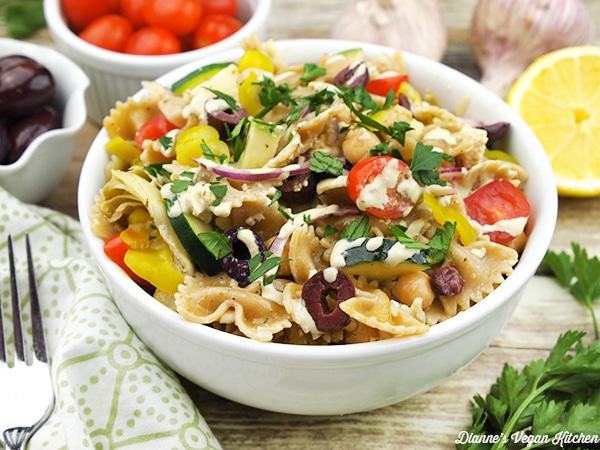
<point>495,131</point>
<point>236,264</point>
<point>25,85</point>
<point>315,292</point>
<point>222,117</point>
<point>299,189</point>
<point>353,76</point>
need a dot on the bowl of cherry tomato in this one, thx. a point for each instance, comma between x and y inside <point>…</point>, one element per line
<point>120,43</point>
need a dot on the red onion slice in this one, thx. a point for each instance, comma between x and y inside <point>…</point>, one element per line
<point>261,174</point>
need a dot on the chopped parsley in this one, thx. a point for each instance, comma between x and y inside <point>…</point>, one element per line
<point>322,162</point>
<point>231,102</point>
<point>435,251</point>
<point>185,180</point>
<point>357,229</point>
<point>216,243</point>
<point>425,164</point>
<point>263,263</point>
<point>312,71</point>
<point>272,95</point>
<point>219,191</point>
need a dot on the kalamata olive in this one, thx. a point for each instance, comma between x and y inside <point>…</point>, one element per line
<point>25,130</point>
<point>221,116</point>
<point>315,292</point>
<point>353,76</point>
<point>447,281</point>
<point>301,188</point>
<point>244,244</point>
<point>4,141</point>
<point>25,85</point>
<point>495,131</point>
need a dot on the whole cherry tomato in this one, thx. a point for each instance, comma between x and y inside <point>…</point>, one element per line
<point>80,13</point>
<point>495,201</point>
<point>180,17</point>
<point>227,7</point>
<point>133,11</point>
<point>152,41</point>
<point>111,32</point>
<point>378,185</point>
<point>214,28</point>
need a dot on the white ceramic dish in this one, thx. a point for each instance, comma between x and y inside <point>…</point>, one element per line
<point>45,161</point>
<point>346,378</point>
<point>115,76</point>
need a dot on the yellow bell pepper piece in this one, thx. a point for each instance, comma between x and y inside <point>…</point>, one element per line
<point>414,97</point>
<point>499,155</point>
<point>255,59</point>
<point>155,266</point>
<point>443,214</point>
<point>248,93</point>
<point>123,149</point>
<point>201,141</point>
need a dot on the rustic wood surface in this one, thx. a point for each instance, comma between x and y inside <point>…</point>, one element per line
<point>434,419</point>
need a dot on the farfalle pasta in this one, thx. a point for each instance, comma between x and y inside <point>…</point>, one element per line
<point>327,202</point>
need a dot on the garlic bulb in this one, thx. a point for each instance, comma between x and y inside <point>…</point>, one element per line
<point>508,35</point>
<point>416,26</point>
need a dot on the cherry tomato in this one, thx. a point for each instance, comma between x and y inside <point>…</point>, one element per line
<point>80,13</point>
<point>132,10</point>
<point>153,129</point>
<point>115,249</point>
<point>373,184</point>
<point>227,7</point>
<point>214,28</point>
<point>180,17</point>
<point>152,41</point>
<point>110,32</point>
<point>494,201</point>
<point>381,86</point>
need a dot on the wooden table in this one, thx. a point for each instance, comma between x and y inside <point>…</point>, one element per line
<point>431,420</point>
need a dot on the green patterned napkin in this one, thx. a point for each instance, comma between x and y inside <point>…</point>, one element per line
<point>112,393</point>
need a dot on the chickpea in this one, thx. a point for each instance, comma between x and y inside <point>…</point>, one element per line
<point>357,144</point>
<point>412,285</point>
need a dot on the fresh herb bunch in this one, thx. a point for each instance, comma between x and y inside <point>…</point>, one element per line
<point>543,406</point>
<point>22,18</point>
<point>553,403</point>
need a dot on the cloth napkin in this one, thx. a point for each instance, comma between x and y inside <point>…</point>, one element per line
<point>111,391</point>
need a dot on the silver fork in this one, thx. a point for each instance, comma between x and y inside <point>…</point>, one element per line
<point>26,390</point>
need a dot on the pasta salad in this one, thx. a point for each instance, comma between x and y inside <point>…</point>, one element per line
<point>319,203</point>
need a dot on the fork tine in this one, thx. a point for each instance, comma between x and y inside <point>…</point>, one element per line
<point>39,340</point>
<point>16,306</point>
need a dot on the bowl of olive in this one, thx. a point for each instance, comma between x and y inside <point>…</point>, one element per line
<point>42,108</point>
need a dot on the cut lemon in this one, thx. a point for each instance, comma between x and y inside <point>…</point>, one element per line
<point>559,98</point>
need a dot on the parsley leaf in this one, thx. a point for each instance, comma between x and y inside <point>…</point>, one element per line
<point>23,18</point>
<point>425,164</point>
<point>323,162</point>
<point>219,191</point>
<point>272,95</point>
<point>231,102</point>
<point>261,264</point>
<point>437,248</point>
<point>216,243</point>
<point>579,274</point>
<point>185,180</point>
<point>357,229</point>
<point>312,71</point>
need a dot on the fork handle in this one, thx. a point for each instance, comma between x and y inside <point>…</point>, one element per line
<point>16,438</point>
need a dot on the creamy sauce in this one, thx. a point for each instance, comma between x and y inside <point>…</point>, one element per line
<point>397,253</point>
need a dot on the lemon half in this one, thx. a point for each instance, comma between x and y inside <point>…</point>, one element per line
<point>559,98</point>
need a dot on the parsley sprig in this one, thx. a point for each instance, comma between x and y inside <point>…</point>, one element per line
<point>557,395</point>
<point>22,18</point>
<point>580,274</point>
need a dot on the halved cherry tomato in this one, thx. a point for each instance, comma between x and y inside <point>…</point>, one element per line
<point>381,86</point>
<point>152,41</point>
<point>228,7</point>
<point>373,185</point>
<point>180,17</point>
<point>153,129</point>
<point>132,10</point>
<point>80,13</point>
<point>495,201</point>
<point>214,28</point>
<point>110,32</point>
<point>115,249</point>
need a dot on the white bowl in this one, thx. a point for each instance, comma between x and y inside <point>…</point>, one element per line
<point>115,76</point>
<point>45,161</point>
<point>344,378</point>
